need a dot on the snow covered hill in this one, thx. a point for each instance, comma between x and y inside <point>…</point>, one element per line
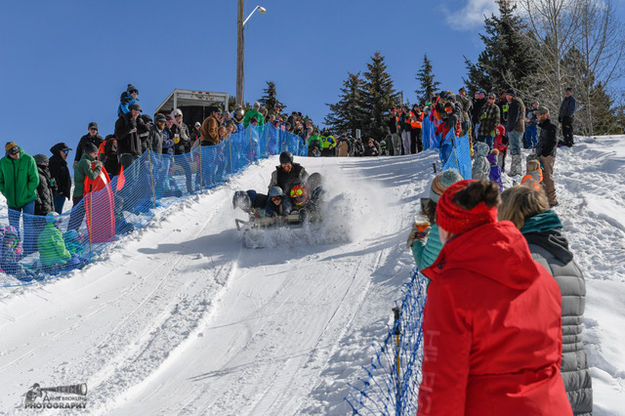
<point>179,318</point>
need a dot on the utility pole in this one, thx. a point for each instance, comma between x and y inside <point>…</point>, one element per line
<point>240,46</point>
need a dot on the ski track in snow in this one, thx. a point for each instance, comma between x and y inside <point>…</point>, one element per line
<point>178,318</point>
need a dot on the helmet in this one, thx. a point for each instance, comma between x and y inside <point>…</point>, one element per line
<point>53,218</point>
<point>275,191</point>
<point>241,200</point>
<point>239,112</point>
<point>286,157</point>
<point>299,194</point>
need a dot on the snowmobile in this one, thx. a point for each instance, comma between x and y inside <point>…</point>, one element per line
<point>301,206</point>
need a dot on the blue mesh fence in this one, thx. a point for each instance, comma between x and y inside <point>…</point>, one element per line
<point>390,385</point>
<point>458,154</point>
<point>40,248</point>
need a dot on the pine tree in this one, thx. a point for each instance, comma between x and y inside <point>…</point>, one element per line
<point>508,60</point>
<point>428,87</point>
<point>378,96</point>
<point>347,114</point>
<point>269,99</point>
<point>605,117</point>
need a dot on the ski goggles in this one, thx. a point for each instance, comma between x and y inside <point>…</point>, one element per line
<point>276,198</point>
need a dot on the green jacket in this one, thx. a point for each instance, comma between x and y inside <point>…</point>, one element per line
<point>313,139</point>
<point>82,170</point>
<point>251,114</point>
<point>19,180</point>
<point>51,246</point>
<point>425,253</point>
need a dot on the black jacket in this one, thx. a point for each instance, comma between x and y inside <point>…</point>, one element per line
<point>567,108</point>
<point>286,180</point>
<point>548,140</point>
<point>128,141</point>
<point>44,203</point>
<point>95,140</point>
<point>60,172</point>
<point>373,149</point>
<point>110,159</point>
<point>476,111</point>
<point>184,145</point>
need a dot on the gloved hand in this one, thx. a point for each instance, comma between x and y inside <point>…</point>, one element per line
<point>483,116</point>
<point>417,233</point>
<point>492,133</point>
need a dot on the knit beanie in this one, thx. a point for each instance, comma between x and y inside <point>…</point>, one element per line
<point>442,181</point>
<point>9,146</point>
<point>89,148</point>
<point>40,158</point>
<point>457,220</point>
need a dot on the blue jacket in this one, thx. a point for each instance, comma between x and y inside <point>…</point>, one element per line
<point>567,108</point>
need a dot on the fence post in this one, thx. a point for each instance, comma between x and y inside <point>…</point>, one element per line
<point>90,215</point>
<point>201,174</point>
<point>152,178</point>
<point>397,358</point>
<point>230,146</point>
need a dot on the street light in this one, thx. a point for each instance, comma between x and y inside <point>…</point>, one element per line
<point>261,9</point>
<point>240,43</point>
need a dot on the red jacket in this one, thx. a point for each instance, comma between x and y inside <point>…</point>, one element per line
<point>492,330</point>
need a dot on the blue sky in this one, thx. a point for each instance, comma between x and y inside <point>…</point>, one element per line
<point>65,63</point>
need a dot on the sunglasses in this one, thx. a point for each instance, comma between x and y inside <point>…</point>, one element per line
<point>178,115</point>
<point>276,198</point>
<point>92,129</point>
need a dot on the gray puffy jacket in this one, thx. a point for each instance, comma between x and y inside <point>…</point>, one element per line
<point>550,249</point>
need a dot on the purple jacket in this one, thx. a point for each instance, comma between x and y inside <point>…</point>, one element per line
<point>495,171</point>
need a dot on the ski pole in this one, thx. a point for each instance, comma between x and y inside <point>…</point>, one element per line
<point>230,147</point>
<point>201,174</point>
<point>152,179</point>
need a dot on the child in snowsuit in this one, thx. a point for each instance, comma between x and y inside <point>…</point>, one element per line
<point>10,254</point>
<point>534,172</point>
<point>501,144</point>
<point>73,242</point>
<point>52,251</point>
<point>495,170</point>
<point>481,168</point>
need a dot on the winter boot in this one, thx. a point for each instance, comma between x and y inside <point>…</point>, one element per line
<point>515,166</point>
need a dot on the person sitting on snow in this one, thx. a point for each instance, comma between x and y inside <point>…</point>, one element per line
<point>288,173</point>
<point>10,254</point>
<point>52,251</point>
<point>533,172</point>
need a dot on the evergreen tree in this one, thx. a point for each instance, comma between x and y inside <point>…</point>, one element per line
<point>605,118</point>
<point>428,87</point>
<point>508,60</point>
<point>269,98</point>
<point>347,114</point>
<point>378,97</point>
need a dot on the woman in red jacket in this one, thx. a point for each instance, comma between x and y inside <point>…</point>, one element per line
<point>492,331</point>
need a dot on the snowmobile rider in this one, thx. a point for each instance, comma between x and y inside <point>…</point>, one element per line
<point>288,173</point>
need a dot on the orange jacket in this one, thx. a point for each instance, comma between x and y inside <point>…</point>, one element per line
<point>416,121</point>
